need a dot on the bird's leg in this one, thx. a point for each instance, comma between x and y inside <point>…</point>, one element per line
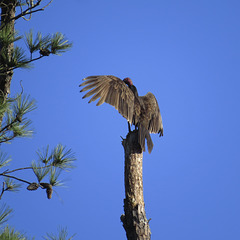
<point>129,127</point>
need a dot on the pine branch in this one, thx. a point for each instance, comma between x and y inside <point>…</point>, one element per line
<point>11,185</point>
<point>54,177</point>
<point>25,168</point>
<point>14,122</point>
<point>30,10</point>
<point>4,160</point>
<point>20,66</point>
<point>8,126</point>
<point>59,44</point>
<point>7,36</point>
<point>39,171</point>
<point>62,157</point>
<point>19,169</point>
<point>62,235</point>
<point>14,59</point>
<point>11,60</point>
<point>3,190</point>
<point>11,234</point>
<point>5,211</point>
<point>4,140</point>
<point>18,179</point>
<point>59,158</point>
<point>48,164</point>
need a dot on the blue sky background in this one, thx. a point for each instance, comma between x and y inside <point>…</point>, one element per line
<point>187,53</point>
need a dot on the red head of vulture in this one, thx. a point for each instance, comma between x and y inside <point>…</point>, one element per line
<point>142,111</point>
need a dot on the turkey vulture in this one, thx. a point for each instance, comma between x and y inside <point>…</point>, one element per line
<point>141,111</point>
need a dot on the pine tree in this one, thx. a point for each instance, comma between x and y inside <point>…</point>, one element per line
<point>13,109</point>
<point>12,57</point>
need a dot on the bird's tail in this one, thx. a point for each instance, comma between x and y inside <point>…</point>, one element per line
<point>142,135</point>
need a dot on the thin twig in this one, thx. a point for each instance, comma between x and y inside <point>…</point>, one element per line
<point>19,179</point>
<point>29,61</point>
<point>14,170</point>
<point>23,168</point>
<point>28,10</point>
<point>3,189</point>
<point>9,125</point>
<point>7,139</point>
<point>22,12</point>
<point>32,60</point>
<point>25,12</point>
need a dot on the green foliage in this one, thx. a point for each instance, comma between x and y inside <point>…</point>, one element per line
<point>8,36</point>
<point>54,175</point>
<point>13,110</point>
<point>35,44</point>
<point>16,58</point>
<point>23,105</point>
<point>61,235</point>
<point>4,159</point>
<point>5,106</point>
<point>14,123</point>
<point>62,157</point>
<point>39,170</point>
<point>5,211</point>
<point>59,44</point>
<point>11,185</point>
<point>52,44</point>
<point>44,156</point>
<point>52,163</point>
<point>10,234</point>
<point>13,59</point>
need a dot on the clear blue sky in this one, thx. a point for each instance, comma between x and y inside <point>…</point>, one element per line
<point>188,54</point>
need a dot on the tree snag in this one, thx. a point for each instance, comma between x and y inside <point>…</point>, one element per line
<point>134,218</point>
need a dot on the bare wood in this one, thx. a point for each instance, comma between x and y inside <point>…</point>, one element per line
<point>134,220</point>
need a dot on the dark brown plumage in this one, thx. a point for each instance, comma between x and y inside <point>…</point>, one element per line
<point>142,111</point>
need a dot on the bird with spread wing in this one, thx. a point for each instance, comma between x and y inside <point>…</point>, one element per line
<point>141,111</point>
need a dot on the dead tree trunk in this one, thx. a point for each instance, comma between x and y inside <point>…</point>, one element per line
<point>134,218</point>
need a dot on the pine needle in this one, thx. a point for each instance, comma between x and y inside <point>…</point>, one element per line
<point>5,211</point>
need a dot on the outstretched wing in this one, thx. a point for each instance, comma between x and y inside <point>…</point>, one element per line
<point>112,90</point>
<point>155,124</point>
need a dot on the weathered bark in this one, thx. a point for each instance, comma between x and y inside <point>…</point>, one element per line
<point>134,220</point>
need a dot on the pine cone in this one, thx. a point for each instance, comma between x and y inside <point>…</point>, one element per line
<point>44,52</point>
<point>49,192</point>
<point>33,186</point>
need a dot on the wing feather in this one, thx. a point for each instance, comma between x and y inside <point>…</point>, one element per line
<point>90,86</point>
<point>103,97</point>
<point>155,124</point>
<point>95,90</point>
<point>112,90</point>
